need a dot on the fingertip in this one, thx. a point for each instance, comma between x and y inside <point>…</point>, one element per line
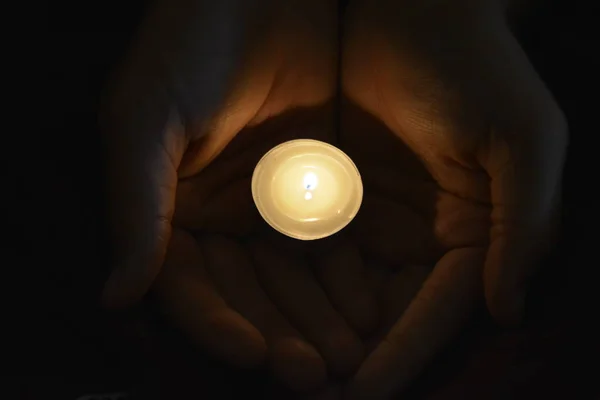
<point>298,365</point>
<point>133,276</point>
<point>339,268</point>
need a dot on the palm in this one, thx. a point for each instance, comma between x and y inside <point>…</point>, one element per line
<point>407,222</point>
<point>431,124</point>
<point>192,115</point>
<point>425,248</point>
<point>407,216</point>
<point>228,285</point>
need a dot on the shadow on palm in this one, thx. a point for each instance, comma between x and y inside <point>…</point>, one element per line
<point>246,294</point>
<point>424,247</point>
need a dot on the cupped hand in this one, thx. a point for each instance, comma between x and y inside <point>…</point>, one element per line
<point>207,89</point>
<point>461,149</point>
<point>197,73</point>
<point>243,291</point>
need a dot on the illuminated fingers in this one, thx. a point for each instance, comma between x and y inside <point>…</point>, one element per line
<point>293,288</point>
<point>396,294</point>
<point>191,300</point>
<point>438,312</point>
<point>291,358</point>
<point>219,198</point>
<point>342,276</point>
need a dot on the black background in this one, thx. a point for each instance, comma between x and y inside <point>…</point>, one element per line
<point>57,344</point>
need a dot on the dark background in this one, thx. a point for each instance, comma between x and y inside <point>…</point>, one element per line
<point>57,344</point>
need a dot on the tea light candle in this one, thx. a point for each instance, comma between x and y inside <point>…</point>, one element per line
<point>307,189</point>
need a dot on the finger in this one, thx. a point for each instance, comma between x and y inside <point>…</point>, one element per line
<point>458,222</point>
<point>396,294</point>
<point>144,149</point>
<point>525,188</point>
<point>395,288</point>
<point>293,288</point>
<point>200,199</point>
<point>146,139</point>
<point>376,276</point>
<point>342,276</point>
<point>191,300</point>
<point>435,315</point>
<point>292,359</point>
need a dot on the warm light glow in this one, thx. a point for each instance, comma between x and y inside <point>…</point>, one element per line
<point>307,189</point>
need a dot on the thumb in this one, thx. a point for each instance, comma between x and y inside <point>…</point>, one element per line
<point>180,68</point>
<point>144,142</point>
<point>526,174</point>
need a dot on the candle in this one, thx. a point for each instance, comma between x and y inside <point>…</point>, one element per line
<point>307,189</point>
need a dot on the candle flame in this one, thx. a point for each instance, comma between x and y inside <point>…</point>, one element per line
<point>310,181</point>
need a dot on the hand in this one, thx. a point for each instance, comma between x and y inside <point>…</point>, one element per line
<point>243,292</point>
<point>461,149</point>
<point>197,74</point>
<point>203,76</point>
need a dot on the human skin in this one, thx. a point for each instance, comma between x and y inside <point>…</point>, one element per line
<point>190,118</point>
<point>209,87</point>
<point>462,167</point>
